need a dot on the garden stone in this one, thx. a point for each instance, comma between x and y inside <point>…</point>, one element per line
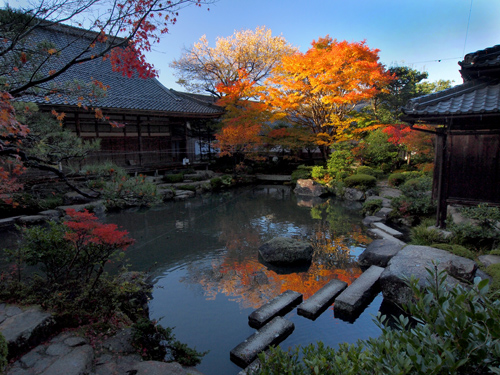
<point>352,194</point>
<point>413,261</point>
<point>286,251</point>
<point>51,214</point>
<point>72,198</point>
<point>384,213</point>
<point>385,201</point>
<point>379,253</point>
<point>310,188</point>
<point>488,260</point>
<point>32,220</point>
<point>26,329</point>
<point>369,220</point>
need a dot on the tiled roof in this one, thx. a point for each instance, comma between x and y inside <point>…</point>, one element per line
<point>478,95</point>
<point>481,63</point>
<point>474,97</point>
<point>123,93</point>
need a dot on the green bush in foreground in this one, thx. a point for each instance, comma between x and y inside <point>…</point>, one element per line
<point>156,343</point>
<point>456,331</point>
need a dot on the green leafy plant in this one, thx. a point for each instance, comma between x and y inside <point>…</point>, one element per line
<point>303,172</point>
<point>173,178</point>
<point>416,199</point>
<point>157,343</point>
<point>3,353</point>
<point>371,206</point>
<point>455,249</point>
<point>364,169</point>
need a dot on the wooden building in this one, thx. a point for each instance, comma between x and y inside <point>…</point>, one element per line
<point>157,123</point>
<point>466,119</point>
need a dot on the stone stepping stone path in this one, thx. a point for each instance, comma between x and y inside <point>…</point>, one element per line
<point>272,333</point>
<point>361,290</point>
<point>317,303</point>
<point>279,305</point>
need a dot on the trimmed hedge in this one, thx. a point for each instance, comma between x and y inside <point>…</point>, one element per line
<point>361,181</point>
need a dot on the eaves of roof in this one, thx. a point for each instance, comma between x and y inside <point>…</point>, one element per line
<point>127,94</point>
<point>475,98</point>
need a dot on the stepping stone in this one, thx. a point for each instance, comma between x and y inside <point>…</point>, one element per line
<point>272,333</point>
<point>279,305</point>
<point>369,220</point>
<point>359,291</point>
<point>378,233</point>
<point>388,230</point>
<point>315,305</point>
<point>383,212</point>
<point>9,222</point>
<point>488,260</point>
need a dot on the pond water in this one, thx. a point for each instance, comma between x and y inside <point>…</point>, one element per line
<point>203,255</point>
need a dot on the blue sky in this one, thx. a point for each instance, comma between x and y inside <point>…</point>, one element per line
<point>418,33</point>
<point>428,35</point>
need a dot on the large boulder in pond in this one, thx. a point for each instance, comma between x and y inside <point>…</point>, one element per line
<point>283,251</point>
<point>413,261</point>
<point>310,188</point>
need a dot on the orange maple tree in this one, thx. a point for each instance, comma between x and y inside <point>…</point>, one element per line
<point>242,123</point>
<point>319,89</point>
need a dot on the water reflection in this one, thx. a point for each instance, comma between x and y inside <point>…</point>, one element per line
<point>332,228</point>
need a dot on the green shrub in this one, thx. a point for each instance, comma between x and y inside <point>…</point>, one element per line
<point>3,353</point>
<point>371,206</point>
<point>494,271</point>
<point>426,235</point>
<point>416,198</point>
<point>369,171</point>
<point>156,343</point>
<point>455,249</point>
<point>303,172</point>
<point>360,181</point>
<point>173,178</point>
<point>455,331</point>
<point>340,161</point>
<point>396,179</point>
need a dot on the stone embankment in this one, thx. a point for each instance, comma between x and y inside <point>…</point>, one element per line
<point>36,348</point>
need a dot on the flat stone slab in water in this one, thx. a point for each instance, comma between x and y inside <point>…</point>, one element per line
<point>279,305</point>
<point>359,291</point>
<point>271,334</point>
<point>387,229</point>
<point>313,306</point>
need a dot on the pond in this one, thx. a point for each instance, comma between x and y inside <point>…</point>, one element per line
<point>203,255</point>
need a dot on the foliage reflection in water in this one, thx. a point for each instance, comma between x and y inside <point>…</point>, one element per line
<point>203,254</point>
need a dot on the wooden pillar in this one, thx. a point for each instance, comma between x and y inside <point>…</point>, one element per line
<point>77,124</point>
<point>443,177</point>
<point>139,138</point>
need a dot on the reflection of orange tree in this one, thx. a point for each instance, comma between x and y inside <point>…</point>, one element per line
<point>251,284</point>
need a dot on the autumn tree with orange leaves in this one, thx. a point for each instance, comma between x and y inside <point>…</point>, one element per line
<point>319,89</point>
<point>120,31</point>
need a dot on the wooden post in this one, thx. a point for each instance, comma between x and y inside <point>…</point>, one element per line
<point>443,178</point>
<point>139,138</point>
